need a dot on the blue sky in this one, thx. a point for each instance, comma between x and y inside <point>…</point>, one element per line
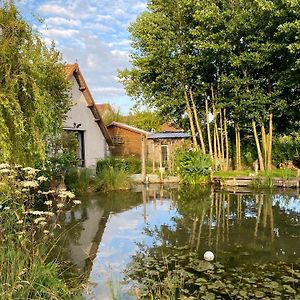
<point>92,33</point>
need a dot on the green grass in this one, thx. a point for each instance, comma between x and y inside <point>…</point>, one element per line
<point>112,179</point>
<point>26,273</point>
<point>281,173</point>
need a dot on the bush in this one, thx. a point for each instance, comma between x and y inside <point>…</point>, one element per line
<point>192,165</point>
<point>131,165</point>
<point>79,180</point>
<point>285,148</point>
<point>110,179</point>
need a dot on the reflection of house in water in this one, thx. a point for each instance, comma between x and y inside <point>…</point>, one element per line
<point>93,220</point>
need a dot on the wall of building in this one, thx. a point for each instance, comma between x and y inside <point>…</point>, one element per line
<point>130,143</point>
<point>94,142</point>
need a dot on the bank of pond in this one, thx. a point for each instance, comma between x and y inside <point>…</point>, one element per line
<point>148,243</point>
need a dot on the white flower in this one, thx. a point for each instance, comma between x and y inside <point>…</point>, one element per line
<point>4,166</point>
<point>37,220</point>
<point>4,171</point>
<point>60,205</point>
<point>76,201</point>
<point>49,213</point>
<point>37,212</point>
<point>30,183</point>
<point>46,231</point>
<point>42,178</point>
<point>20,222</point>
<point>46,193</point>
<point>66,194</point>
<point>48,202</point>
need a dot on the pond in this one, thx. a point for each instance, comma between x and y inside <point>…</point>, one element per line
<point>151,241</point>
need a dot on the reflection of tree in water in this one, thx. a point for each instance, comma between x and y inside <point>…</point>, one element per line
<point>250,234</point>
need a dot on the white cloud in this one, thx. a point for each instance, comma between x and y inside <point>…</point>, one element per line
<point>140,6</point>
<point>59,33</point>
<point>59,21</point>
<point>120,54</point>
<point>93,33</point>
<point>54,9</point>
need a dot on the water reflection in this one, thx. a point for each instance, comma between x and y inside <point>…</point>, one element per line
<point>108,229</point>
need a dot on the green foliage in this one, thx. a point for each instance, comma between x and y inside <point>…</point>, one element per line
<point>242,55</point>
<point>146,120</point>
<point>192,165</point>
<point>113,173</point>
<point>27,271</point>
<point>286,148</point>
<point>34,92</point>
<point>179,273</point>
<point>80,180</point>
<point>61,159</point>
<point>110,179</point>
<point>130,165</point>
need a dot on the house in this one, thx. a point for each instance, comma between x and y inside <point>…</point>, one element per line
<point>161,147</point>
<point>84,119</point>
<point>127,139</point>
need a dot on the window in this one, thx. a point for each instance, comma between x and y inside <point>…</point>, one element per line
<point>117,140</point>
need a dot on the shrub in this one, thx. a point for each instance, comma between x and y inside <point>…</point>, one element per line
<point>192,165</point>
<point>285,148</point>
<point>131,165</point>
<point>112,179</point>
<point>80,180</point>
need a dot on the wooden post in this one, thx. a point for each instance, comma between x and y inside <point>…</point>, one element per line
<point>153,156</point>
<point>143,159</point>
<point>160,155</point>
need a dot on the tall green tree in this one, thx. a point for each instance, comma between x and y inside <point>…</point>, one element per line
<point>34,94</point>
<point>239,59</point>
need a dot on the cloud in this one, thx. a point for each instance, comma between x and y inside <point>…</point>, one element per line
<point>93,33</point>
<point>140,6</point>
<point>58,21</point>
<point>54,9</point>
<point>120,54</point>
<point>59,33</point>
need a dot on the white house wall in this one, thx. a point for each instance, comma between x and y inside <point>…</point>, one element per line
<point>94,142</point>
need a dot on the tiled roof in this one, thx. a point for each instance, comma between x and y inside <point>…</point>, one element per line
<point>69,70</point>
<point>166,127</point>
<point>169,135</point>
<point>128,127</point>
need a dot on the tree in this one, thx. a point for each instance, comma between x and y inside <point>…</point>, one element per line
<point>238,60</point>
<point>34,94</point>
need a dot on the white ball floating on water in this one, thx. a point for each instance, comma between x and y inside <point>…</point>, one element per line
<point>209,256</point>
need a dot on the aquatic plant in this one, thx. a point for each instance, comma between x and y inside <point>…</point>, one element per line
<point>112,179</point>
<point>179,273</point>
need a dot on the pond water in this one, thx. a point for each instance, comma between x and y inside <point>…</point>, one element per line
<point>140,232</point>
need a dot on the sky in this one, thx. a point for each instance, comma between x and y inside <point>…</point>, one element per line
<point>92,33</point>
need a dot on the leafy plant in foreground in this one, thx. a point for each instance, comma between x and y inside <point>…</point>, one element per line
<point>192,165</point>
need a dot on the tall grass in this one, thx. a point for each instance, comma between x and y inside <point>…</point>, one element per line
<point>26,238</point>
<point>112,179</point>
<point>80,180</point>
<point>113,173</point>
